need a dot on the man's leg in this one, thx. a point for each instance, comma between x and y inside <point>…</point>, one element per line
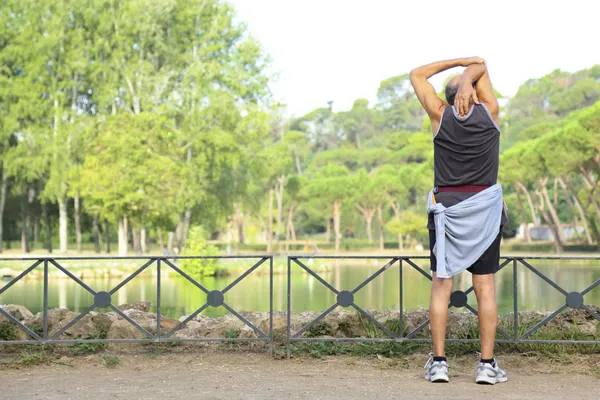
<point>488,313</point>
<point>441,290</point>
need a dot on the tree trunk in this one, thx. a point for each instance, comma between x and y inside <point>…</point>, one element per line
<point>287,237</point>
<point>187,220</point>
<point>143,241</point>
<point>78,222</point>
<point>240,225</point>
<point>279,194</point>
<point>24,225</point>
<point>552,210</point>
<point>380,217</point>
<point>396,208</point>
<point>107,236</point>
<point>570,205</point>
<point>123,228</point>
<point>550,222</point>
<point>523,216</point>
<point>3,189</point>
<point>270,224</point>
<point>36,231</point>
<point>288,226</point>
<point>569,193</point>
<point>586,227</point>
<point>589,188</point>
<point>529,201</point>
<point>187,216</point>
<point>367,214</point>
<point>179,232</point>
<point>292,226</point>
<point>30,199</point>
<point>369,221</point>
<point>170,240</point>
<point>62,224</point>
<point>135,235</point>
<point>298,166</point>
<point>97,236</point>
<point>337,213</point>
<point>161,243</point>
<point>47,228</point>
<point>328,231</point>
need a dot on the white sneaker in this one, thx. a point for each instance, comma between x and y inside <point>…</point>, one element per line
<point>490,374</point>
<point>437,371</point>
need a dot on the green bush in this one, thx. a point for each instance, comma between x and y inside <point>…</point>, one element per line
<point>8,331</point>
<point>549,248</point>
<point>197,246</point>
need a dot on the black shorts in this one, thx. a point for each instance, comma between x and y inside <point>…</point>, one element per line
<point>488,263</point>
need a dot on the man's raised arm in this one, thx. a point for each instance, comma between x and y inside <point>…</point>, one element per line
<point>475,82</point>
<point>426,92</point>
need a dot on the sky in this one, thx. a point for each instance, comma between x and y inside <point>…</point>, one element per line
<point>340,50</point>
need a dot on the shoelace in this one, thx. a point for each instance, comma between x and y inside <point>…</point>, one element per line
<point>494,365</point>
<point>430,361</point>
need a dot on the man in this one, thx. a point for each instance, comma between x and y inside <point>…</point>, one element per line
<point>466,211</point>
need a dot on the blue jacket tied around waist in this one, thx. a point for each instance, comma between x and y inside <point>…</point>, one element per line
<point>465,230</point>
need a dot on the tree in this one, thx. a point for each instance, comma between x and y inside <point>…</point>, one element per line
<point>399,105</point>
<point>358,122</point>
<point>333,184</point>
<point>123,173</point>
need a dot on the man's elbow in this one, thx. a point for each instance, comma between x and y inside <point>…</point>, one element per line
<point>414,76</point>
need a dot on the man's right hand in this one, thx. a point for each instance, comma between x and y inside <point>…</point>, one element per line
<point>473,60</point>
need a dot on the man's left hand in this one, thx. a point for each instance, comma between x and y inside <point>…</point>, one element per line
<point>465,93</point>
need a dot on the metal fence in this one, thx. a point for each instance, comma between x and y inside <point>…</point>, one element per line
<point>344,298</point>
<point>458,299</point>
<point>103,299</point>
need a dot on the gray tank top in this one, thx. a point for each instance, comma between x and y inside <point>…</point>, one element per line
<point>466,152</point>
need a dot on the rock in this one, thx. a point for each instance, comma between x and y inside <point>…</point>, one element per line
<point>86,327</point>
<point>8,273</point>
<point>103,321</point>
<point>122,329</point>
<point>246,332</point>
<point>119,330</point>
<point>21,313</point>
<point>279,324</point>
<point>143,306</point>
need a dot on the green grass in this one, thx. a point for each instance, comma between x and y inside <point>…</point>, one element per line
<point>31,358</point>
<point>232,333</point>
<point>79,349</point>
<point>110,361</point>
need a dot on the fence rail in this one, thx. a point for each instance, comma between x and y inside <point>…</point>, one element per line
<point>103,300</point>
<point>458,299</point>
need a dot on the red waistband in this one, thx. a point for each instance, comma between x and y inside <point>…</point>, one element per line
<point>468,189</point>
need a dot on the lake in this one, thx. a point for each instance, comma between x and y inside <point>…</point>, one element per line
<point>180,297</point>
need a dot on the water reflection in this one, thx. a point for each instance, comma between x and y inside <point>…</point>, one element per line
<point>180,297</point>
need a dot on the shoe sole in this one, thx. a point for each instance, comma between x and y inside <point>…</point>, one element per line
<point>489,380</point>
<point>438,379</point>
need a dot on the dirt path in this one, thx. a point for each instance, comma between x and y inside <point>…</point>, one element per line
<point>253,376</point>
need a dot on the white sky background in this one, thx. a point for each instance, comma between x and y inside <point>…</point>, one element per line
<point>341,50</point>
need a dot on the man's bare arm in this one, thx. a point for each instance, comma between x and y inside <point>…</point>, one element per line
<point>466,90</point>
<point>425,91</point>
<point>485,93</point>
